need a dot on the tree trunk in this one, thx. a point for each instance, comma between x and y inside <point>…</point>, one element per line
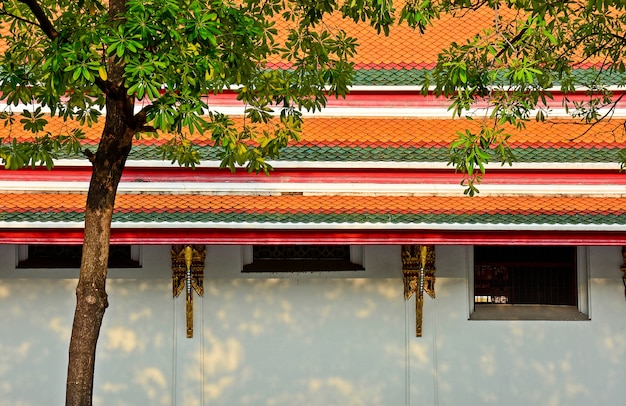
<point>91,296</point>
<point>108,165</point>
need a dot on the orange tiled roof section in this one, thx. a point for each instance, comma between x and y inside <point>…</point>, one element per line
<point>425,132</point>
<point>51,202</point>
<point>405,47</point>
<point>364,204</point>
<point>45,203</point>
<point>399,132</point>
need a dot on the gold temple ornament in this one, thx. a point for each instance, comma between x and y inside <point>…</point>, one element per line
<point>188,275</point>
<point>418,270</point>
<point>623,268</point>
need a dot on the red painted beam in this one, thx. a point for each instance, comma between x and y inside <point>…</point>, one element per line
<point>392,97</point>
<point>294,175</point>
<point>388,97</point>
<point>355,237</point>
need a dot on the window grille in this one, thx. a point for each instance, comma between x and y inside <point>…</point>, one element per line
<point>537,275</point>
<point>301,258</point>
<point>69,256</point>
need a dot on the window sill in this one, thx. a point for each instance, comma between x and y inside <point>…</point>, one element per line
<point>527,312</point>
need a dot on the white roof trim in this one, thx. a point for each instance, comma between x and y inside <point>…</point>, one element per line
<point>154,163</point>
<point>417,88</point>
<point>439,111</point>
<point>322,189</point>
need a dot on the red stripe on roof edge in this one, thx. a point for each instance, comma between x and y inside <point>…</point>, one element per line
<point>404,96</point>
<point>330,175</point>
<point>354,237</point>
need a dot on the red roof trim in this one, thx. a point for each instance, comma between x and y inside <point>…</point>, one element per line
<point>406,97</point>
<point>355,237</point>
<point>403,96</point>
<point>302,175</point>
<point>387,96</point>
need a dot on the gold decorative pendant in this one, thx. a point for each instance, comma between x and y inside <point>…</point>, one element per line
<point>418,270</point>
<point>623,268</point>
<point>188,271</point>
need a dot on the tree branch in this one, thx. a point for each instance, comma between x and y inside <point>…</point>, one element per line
<point>4,13</point>
<point>44,22</point>
<point>608,115</point>
<point>140,121</point>
<point>511,42</point>
<point>46,26</point>
<point>620,38</point>
<point>90,155</point>
<point>109,88</point>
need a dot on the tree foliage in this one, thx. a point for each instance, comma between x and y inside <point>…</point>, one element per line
<point>173,53</point>
<point>147,67</point>
<point>504,75</point>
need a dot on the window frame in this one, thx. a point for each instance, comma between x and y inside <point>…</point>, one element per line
<point>537,311</point>
<point>21,259</point>
<point>248,267</point>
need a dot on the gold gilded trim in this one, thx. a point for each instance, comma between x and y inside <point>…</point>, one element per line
<point>188,271</point>
<point>623,268</point>
<point>418,271</point>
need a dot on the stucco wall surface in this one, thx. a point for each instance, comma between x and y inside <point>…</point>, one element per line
<point>309,339</point>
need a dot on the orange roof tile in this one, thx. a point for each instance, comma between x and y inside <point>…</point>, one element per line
<point>248,219</point>
<point>339,205</point>
<point>405,47</point>
<point>404,132</point>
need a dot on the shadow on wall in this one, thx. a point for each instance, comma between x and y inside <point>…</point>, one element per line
<point>532,362</point>
<point>134,359</point>
<point>308,342</point>
<point>134,351</point>
<point>257,342</point>
<point>35,320</point>
<point>266,342</point>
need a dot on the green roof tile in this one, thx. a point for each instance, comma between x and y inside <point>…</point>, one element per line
<point>407,154</point>
<point>308,218</point>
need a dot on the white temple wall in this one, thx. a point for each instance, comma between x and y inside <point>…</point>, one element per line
<point>310,339</point>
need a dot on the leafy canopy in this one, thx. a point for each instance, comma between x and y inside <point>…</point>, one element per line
<point>504,75</point>
<point>66,57</point>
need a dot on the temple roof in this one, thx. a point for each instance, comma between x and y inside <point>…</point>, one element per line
<point>370,169</point>
<point>329,206</point>
<point>405,139</point>
<point>356,211</point>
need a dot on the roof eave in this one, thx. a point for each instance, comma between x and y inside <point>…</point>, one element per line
<point>356,236</point>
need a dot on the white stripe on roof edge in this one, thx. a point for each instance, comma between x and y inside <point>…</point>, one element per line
<point>322,189</point>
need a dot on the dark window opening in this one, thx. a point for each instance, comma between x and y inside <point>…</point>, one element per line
<point>531,275</point>
<point>69,256</point>
<point>301,258</point>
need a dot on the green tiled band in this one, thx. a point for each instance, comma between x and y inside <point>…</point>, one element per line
<point>415,77</point>
<point>311,218</point>
<point>407,154</point>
